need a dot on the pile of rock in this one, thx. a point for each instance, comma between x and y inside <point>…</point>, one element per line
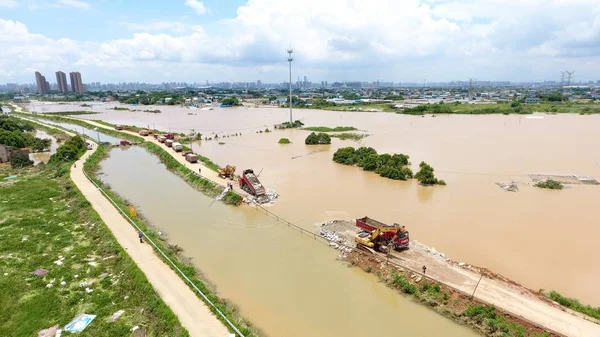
<point>269,197</point>
<point>336,241</point>
<point>430,250</point>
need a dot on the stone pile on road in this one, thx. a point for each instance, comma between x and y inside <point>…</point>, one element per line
<point>335,241</point>
<point>268,198</point>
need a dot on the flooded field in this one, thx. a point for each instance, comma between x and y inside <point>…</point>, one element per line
<point>540,238</point>
<point>284,282</point>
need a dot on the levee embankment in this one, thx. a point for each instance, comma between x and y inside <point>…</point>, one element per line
<point>465,287</point>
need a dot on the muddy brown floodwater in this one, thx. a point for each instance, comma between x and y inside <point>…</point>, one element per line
<point>540,238</point>
<point>284,282</point>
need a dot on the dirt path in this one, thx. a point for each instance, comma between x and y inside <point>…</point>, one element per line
<point>193,314</point>
<point>508,296</point>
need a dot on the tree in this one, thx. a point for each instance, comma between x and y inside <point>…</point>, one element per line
<point>230,101</point>
<point>317,139</point>
<point>344,155</point>
<point>425,175</point>
<point>370,162</point>
<point>20,160</point>
<point>40,145</point>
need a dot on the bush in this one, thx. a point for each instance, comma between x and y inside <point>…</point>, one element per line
<point>550,184</point>
<point>400,282</point>
<point>296,124</point>
<point>20,160</point>
<point>317,139</point>
<point>386,165</point>
<point>426,177</point>
<point>284,141</point>
<point>345,156</point>
<point>69,151</point>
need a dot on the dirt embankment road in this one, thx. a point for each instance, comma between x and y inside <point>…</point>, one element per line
<point>193,314</point>
<point>497,291</point>
<point>206,172</point>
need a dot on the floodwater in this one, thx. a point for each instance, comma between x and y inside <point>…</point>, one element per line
<point>539,238</point>
<point>284,282</point>
<point>95,134</point>
<point>43,157</point>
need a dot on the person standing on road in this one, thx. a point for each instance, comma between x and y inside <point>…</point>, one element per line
<point>424,270</point>
<point>141,236</point>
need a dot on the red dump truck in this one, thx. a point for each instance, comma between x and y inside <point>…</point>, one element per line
<point>124,143</point>
<point>387,232</point>
<point>250,183</point>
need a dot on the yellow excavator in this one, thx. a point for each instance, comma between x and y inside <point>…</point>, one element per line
<point>227,172</point>
<point>380,237</point>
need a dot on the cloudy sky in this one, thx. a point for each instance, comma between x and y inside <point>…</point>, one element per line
<point>235,40</point>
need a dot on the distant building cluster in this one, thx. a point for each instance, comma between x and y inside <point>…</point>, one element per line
<point>77,86</point>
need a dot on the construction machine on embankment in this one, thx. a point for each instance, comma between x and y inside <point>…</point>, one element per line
<point>377,236</point>
<point>227,172</point>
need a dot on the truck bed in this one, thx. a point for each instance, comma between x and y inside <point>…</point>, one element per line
<point>255,183</point>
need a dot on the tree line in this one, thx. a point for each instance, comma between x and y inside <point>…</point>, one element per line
<point>394,166</point>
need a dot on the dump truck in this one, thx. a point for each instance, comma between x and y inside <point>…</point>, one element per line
<point>227,172</point>
<point>250,183</point>
<point>177,146</point>
<point>169,142</point>
<point>161,139</point>
<point>192,158</point>
<point>379,236</point>
<point>119,127</point>
<point>144,132</point>
<point>124,142</point>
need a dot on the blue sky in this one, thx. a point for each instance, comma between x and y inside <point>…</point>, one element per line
<point>235,40</point>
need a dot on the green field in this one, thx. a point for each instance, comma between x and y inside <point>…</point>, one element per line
<point>46,223</point>
<point>329,129</point>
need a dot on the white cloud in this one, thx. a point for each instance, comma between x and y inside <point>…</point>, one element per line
<point>74,4</point>
<point>9,3</point>
<point>337,39</point>
<point>197,6</point>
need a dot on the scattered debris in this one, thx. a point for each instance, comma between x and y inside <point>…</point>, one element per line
<point>40,272</point>
<point>79,323</point>
<point>88,290</point>
<point>135,328</point>
<point>116,315</point>
<point>49,285</point>
<point>63,283</point>
<point>50,332</point>
<point>512,187</point>
<point>565,179</point>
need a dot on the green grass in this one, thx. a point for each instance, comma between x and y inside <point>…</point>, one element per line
<point>549,184</point>
<point>91,167</point>
<point>349,136</point>
<point>573,304</point>
<point>284,141</point>
<point>503,108</point>
<point>328,129</point>
<point>56,220</point>
<point>72,113</point>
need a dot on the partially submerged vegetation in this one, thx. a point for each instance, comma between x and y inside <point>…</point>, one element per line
<point>426,177</point>
<point>155,111</point>
<point>16,133</point>
<point>573,304</point>
<point>501,108</point>
<point>287,125</point>
<point>284,141</point>
<point>389,166</point>
<point>549,184</point>
<point>173,252</point>
<point>72,113</point>
<point>59,260</point>
<point>318,139</point>
<point>349,136</point>
<point>456,305</point>
<point>329,129</point>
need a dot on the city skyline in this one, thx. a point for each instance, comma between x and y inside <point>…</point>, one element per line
<point>342,40</point>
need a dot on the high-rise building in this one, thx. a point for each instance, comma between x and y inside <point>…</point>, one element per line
<point>43,87</point>
<point>76,83</point>
<point>61,82</point>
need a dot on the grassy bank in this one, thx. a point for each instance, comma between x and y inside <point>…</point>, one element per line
<point>73,113</point>
<point>502,108</point>
<point>328,129</point>
<point>573,304</point>
<point>92,166</point>
<point>487,320</point>
<point>206,186</point>
<point>46,223</point>
<point>79,122</point>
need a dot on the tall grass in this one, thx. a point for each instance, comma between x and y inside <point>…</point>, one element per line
<point>329,129</point>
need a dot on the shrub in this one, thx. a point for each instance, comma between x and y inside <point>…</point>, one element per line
<point>400,282</point>
<point>19,160</point>
<point>425,175</point>
<point>344,155</point>
<point>550,184</point>
<point>317,139</point>
<point>284,141</point>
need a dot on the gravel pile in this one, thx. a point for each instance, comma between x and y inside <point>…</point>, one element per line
<point>268,198</point>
